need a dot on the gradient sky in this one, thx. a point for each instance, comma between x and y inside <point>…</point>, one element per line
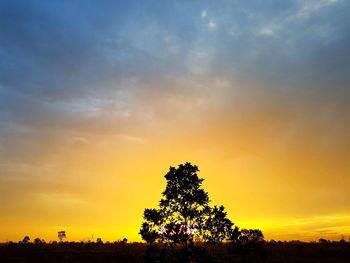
<point>99,98</point>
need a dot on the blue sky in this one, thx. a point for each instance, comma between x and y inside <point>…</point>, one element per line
<point>62,58</point>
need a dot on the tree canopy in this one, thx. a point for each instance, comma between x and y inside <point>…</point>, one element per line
<point>184,212</point>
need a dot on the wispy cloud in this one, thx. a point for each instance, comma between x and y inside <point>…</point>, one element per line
<point>95,93</point>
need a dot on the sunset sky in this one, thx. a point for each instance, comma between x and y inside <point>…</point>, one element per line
<point>99,98</point>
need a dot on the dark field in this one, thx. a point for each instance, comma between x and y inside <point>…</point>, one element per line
<point>137,252</point>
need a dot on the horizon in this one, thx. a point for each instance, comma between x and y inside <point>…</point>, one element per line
<point>98,100</point>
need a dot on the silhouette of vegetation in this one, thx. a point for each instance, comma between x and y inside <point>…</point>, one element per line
<point>38,241</point>
<point>26,240</point>
<point>323,241</point>
<point>251,236</point>
<point>218,227</point>
<point>184,228</point>
<point>184,218</point>
<point>111,252</point>
<point>184,212</point>
<point>61,235</point>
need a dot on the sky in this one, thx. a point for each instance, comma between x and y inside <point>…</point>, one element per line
<point>99,98</point>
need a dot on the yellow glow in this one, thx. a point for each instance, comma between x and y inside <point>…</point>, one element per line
<point>271,168</point>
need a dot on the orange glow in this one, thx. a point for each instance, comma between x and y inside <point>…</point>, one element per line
<point>283,179</point>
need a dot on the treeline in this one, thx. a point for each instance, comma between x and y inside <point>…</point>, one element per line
<point>118,251</point>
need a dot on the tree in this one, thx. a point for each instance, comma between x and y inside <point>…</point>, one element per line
<point>217,226</point>
<point>38,241</point>
<point>184,212</point>
<point>61,235</point>
<point>26,240</point>
<point>323,241</point>
<point>251,236</point>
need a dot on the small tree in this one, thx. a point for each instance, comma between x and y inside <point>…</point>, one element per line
<point>184,212</point>
<point>217,226</point>
<point>38,241</point>
<point>61,235</point>
<point>26,240</point>
<point>251,236</point>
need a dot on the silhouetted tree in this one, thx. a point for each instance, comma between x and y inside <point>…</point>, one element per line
<point>26,240</point>
<point>217,227</point>
<point>235,234</point>
<point>323,241</point>
<point>184,212</point>
<point>61,235</point>
<point>38,241</point>
<point>251,236</point>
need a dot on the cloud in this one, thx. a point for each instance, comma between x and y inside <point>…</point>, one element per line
<point>61,72</point>
<point>86,87</point>
<point>311,7</point>
<point>211,25</point>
